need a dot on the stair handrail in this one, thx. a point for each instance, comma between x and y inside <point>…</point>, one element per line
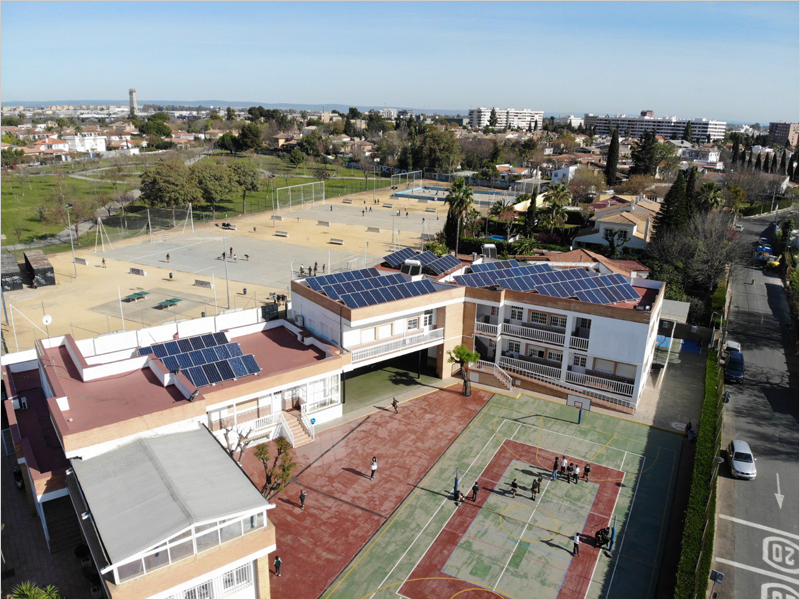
<point>286,430</point>
<point>306,422</point>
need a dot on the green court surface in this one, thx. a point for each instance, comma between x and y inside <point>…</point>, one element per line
<point>504,546</point>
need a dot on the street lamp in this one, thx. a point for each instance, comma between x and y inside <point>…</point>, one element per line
<point>71,243</point>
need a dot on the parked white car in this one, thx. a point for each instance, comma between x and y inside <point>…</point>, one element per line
<point>741,460</point>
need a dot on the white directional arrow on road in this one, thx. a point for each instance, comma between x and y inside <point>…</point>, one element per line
<point>778,495</point>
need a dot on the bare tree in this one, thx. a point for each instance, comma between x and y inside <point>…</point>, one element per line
<point>711,244</point>
<point>236,442</point>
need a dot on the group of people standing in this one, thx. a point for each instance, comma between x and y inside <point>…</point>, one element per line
<point>571,470</point>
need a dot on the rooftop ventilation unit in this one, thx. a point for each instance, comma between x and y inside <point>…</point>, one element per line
<point>411,267</point>
<point>489,250</point>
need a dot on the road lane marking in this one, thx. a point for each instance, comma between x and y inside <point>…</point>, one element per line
<point>724,561</point>
<point>757,526</point>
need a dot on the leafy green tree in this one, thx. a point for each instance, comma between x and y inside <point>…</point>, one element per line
<point>228,141</point>
<point>214,182</point>
<point>687,132</point>
<point>250,137</point>
<point>10,121</point>
<point>62,124</point>
<point>459,201</point>
<point>30,589</point>
<point>438,151</point>
<point>296,157</point>
<point>493,119</point>
<point>463,356</point>
<point>11,156</point>
<point>230,114</point>
<point>554,213</point>
<point>672,216</point>
<point>612,160</point>
<point>245,176</point>
<point>169,184</point>
<point>159,116</point>
<point>530,212</point>
<point>742,157</point>
<point>354,113</point>
<point>277,471</point>
<point>645,155</point>
<point>156,128</point>
<point>709,197</point>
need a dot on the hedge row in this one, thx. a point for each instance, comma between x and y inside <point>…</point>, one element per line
<point>763,207</point>
<point>470,245</point>
<point>706,451</point>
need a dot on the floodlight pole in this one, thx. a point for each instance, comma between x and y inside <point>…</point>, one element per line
<point>225,260</point>
<point>121,315</point>
<point>71,243</point>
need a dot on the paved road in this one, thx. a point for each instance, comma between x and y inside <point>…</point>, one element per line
<point>758,547</point>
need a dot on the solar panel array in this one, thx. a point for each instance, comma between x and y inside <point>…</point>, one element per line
<point>395,259</point>
<point>426,258</point>
<point>388,294</point>
<point>205,359</point>
<point>316,283</point>
<point>574,283</point>
<point>337,290</point>
<point>489,278</point>
<point>444,264</point>
<point>494,265</point>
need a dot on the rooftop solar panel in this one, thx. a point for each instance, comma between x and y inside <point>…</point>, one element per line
<point>395,259</point>
<point>171,362</point>
<point>185,345</point>
<point>197,343</point>
<point>146,350</point>
<point>197,376</point>
<point>225,370</point>
<point>237,364</point>
<point>160,351</point>
<point>444,264</point>
<point>172,348</point>
<point>212,373</point>
<point>250,364</point>
<point>184,360</point>
<point>197,357</point>
<point>426,258</point>
<point>234,349</point>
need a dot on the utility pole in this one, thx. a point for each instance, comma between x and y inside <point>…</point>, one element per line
<point>71,243</point>
<point>225,260</point>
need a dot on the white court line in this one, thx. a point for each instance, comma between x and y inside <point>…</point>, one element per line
<point>170,250</point>
<point>627,521</point>
<point>757,526</point>
<point>795,580</point>
<point>432,516</point>
<point>574,437</point>
<point>623,461</point>
<point>524,529</point>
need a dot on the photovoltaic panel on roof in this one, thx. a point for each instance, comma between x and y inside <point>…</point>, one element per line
<point>388,294</point>
<point>171,362</point>
<point>145,351</point>
<point>395,259</point>
<point>316,283</point>
<point>185,345</point>
<point>160,351</point>
<point>220,338</point>
<point>212,373</point>
<point>444,264</point>
<point>197,376</point>
<point>237,364</point>
<point>197,343</point>
<point>250,364</point>
<point>225,370</point>
<point>184,360</point>
<point>234,349</point>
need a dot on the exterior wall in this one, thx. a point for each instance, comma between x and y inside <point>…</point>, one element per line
<point>451,317</point>
<point>667,127</point>
<point>506,117</point>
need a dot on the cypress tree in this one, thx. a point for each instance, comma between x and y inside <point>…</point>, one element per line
<point>687,132</point>
<point>758,162</point>
<point>735,156</point>
<point>750,159</point>
<point>766,163</point>
<point>783,164</point>
<point>795,174</point>
<point>645,155</point>
<point>613,159</point>
<point>673,211</point>
<point>742,156</point>
<point>691,183</point>
<point>774,166</point>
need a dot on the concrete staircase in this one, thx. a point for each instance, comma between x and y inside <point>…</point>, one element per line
<point>301,437</point>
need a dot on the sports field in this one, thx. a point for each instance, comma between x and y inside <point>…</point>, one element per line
<point>515,547</point>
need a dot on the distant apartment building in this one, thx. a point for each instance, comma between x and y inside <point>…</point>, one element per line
<point>570,120</point>
<point>389,113</point>
<point>510,118</point>
<point>781,131</point>
<point>667,127</point>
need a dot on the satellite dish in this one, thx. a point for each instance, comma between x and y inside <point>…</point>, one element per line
<point>47,319</point>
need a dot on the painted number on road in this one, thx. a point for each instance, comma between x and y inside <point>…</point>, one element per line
<point>781,554</point>
<point>777,591</point>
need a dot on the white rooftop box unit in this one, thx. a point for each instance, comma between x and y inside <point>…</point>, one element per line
<point>411,267</point>
<point>489,250</point>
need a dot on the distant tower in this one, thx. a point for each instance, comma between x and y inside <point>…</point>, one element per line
<point>134,106</point>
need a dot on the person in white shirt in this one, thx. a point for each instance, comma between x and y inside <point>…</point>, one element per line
<point>576,544</point>
<point>373,467</point>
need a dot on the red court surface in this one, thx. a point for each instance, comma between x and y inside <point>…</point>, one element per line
<point>428,580</point>
<point>344,508</point>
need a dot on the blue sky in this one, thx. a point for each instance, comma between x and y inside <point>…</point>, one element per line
<point>734,61</point>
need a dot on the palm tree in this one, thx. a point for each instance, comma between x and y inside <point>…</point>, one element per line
<point>460,201</point>
<point>503,210</point>
<point>558,194</point>
<point>463,356</point>
<point>555,213</point>
<point>30,589</point>
<point>709,197</point>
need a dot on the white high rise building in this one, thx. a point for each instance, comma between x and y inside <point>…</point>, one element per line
<point>668,127</point>
<point>510,118</point>
<point>134,106</point>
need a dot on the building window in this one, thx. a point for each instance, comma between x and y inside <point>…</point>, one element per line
<point>413,324</point>
<point>579,360</point>
<point>130,570</point>
<point>513,346</point>
<point>558,321</point>
<point>427,318</point>
<point>555,356</point>
<point>584,323</point>
<point>516,313</point>
<point>237,579</point>
<point>539,318</point>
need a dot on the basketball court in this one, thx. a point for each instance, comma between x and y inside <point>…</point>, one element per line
<point>513,546</point>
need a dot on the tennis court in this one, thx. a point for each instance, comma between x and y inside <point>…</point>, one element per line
<point>509,546</point>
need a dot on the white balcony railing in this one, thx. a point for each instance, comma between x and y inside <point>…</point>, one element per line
<point>486,328</point>
<point>398,344</point>
<point>600,383</point>
<point>268,421</point>
<point>484,366</point>
<point>533,333</point>
<point>530,369</point>
<point>578,343</point>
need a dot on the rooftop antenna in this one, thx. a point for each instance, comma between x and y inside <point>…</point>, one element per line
<point>46,320</point>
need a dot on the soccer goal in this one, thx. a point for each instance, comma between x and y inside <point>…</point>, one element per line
<point>407,181</point>
<point>301,196</point>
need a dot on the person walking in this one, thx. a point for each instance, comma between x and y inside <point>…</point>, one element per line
<point>577,473</point>
<point>373,467</point>
<point>475,489</point>
<point>277,563</point>
<point>570,471</point>
<point>315,267</point>
<point>586,470</point>
<point>167,257</point>
<point>231,251</point>
<point>104,263</point>
<point>687,429</point>
<point>394,404</point>
<point>576,544</point>
<point>536,487</point>
<point>563,465</point>
<point>303,499</point>
<point>555,469</point>
<point>323,268</point>
<point>514,487</point>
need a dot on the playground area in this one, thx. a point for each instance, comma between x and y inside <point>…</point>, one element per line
<point>507,545</point>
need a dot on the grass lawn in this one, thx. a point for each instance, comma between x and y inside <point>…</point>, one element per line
<point>272,163</point>
<point>19,212</point>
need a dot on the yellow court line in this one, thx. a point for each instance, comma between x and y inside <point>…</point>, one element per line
<point>603,447</point>
<point>483,588</point>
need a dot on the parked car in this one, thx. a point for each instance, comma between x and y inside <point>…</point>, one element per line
<point>741,460</point>
<point>739,228</point>
<point>734,367</point>
<point>730,346</point>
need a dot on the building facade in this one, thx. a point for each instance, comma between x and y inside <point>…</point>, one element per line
<point>507,118</point>
<point>668,127</point>
<point>782,132</point>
